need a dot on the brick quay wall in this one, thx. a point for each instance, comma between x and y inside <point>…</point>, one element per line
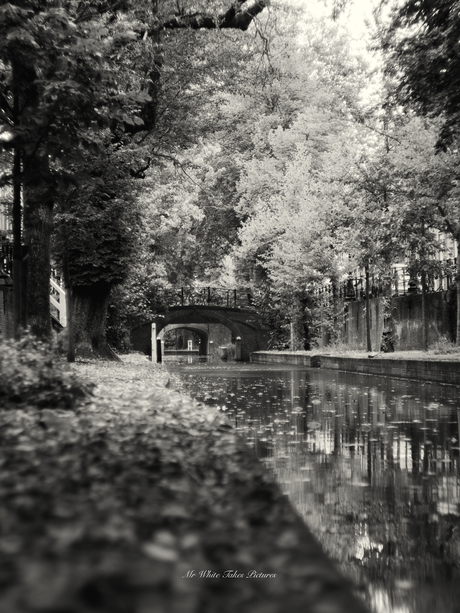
<point>439,371</point>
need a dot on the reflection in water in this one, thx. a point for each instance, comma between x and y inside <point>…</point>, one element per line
<point>371,464</point>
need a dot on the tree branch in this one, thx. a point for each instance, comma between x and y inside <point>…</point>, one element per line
<point>236,17</point>
<point>85,16</point>
<point>446,221</point>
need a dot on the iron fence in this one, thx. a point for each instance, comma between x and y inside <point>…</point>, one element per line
<point>209,296</point>
<point>400,282</point>
<point>354,288</point>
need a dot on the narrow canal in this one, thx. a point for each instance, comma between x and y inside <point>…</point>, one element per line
<point>371,464</point>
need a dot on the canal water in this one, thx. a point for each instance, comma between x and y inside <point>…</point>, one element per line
<point>371,464</point>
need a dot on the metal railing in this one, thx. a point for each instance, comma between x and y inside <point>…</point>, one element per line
<point>209,296</point>
<point>403,282</point>
<point>354,288</point>
<point>399,282</point>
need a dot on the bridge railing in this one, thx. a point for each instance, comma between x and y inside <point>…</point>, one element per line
<point>210,296</point>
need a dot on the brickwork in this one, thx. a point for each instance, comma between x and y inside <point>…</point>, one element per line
<point>405,322</point>
<point>280,357</point>
<point>241,323</point>
<point>439,371</point>
<point>436,371</point>
<point>407,314</point>
<point>354,323</point>
<point>212,335</point>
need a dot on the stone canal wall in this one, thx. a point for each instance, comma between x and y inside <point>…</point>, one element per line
<point>403,316</point>
<point>281,357</point>
<point>439,371</point>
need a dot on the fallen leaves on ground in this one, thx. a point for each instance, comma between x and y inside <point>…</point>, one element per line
<point>107,509</point>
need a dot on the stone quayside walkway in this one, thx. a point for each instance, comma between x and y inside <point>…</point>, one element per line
<point>146,501</point>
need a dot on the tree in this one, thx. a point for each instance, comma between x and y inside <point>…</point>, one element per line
<point>296,175</point>
<point>422,55</point>
<point>197,149</point>
<point>95,238</point>
<point>405,198</point>
<point>59,80</point>
<point>54,85</point>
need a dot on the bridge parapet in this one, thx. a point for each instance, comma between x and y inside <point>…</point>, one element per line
<point>210,296</point>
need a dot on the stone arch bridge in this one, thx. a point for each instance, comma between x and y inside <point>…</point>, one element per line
<point>209,306</point>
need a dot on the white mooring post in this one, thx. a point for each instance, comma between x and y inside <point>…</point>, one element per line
<point>238,348</point>
<point>154,343</point>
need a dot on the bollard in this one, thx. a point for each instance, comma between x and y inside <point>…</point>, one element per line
<point>238,348</point>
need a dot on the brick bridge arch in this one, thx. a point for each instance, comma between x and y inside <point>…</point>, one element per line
<point>198,329</point>
<point>243,323</point>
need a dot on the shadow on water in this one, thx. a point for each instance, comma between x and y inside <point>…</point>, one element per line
<point>371,464</point>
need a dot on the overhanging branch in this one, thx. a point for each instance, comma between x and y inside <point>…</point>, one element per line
<point>238,17</point>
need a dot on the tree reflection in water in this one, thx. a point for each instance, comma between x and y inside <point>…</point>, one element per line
<point>371,464</point>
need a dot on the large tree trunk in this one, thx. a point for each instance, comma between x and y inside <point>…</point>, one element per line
<point>89,314</point>
<point>19,311</point>
<point>38,226</point>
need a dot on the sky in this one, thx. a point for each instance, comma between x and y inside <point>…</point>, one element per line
<point>354,16</point>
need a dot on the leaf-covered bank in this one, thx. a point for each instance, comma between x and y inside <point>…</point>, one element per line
<point>140,502</point>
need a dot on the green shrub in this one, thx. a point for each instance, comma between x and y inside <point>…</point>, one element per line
<point>32,374</point>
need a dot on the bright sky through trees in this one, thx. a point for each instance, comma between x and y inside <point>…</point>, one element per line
<point>353,17</point>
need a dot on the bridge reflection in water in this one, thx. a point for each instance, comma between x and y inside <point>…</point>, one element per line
<point>371,464</point>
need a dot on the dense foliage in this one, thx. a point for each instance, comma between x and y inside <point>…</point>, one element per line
<point>277,153</point>
<point>32,375</point>
<point>422,43</point>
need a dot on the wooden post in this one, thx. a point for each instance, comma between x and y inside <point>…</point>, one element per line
<point>154,343</point>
